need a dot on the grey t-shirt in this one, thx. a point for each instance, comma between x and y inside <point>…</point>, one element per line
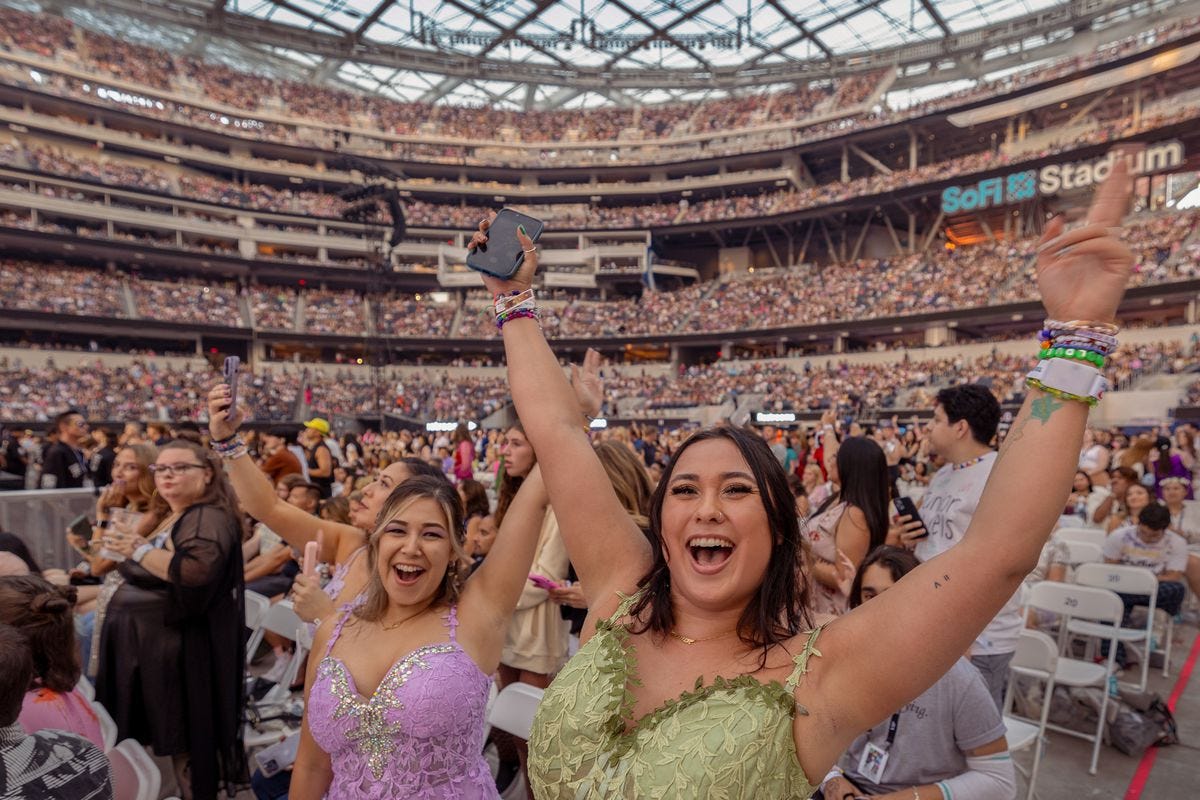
<point>954,715</point>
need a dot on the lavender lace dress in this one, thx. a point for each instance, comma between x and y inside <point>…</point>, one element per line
<point>420,735</point>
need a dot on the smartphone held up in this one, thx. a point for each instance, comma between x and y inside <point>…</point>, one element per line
<point>502,255</point>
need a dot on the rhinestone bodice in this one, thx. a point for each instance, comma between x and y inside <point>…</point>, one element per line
<point>419,735</point>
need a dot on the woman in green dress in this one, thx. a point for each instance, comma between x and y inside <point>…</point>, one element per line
<point>697,676</point>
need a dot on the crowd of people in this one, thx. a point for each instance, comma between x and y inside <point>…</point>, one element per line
<point>616,132</point>
<point>983,274</point>
<point>144,390</point>
<point>429,587</point>
<point>115,171</point>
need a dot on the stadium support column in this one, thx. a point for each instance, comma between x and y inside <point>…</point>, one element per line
<point>1190,312</point>
<point>726,351</point>
<point>845,164</point>
<point>912,149</point>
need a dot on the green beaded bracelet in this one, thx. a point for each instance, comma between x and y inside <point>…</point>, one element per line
<point>1073,353</point>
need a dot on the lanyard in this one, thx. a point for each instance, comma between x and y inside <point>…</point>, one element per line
<point>893,726</point>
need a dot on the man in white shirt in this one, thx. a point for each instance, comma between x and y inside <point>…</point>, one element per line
<point>1150,544</point>
<point>964,423</point>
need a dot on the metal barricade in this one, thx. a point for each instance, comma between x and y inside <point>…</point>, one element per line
<point>41,517</point>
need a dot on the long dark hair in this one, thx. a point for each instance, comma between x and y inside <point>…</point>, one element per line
<point>11,543</point>
<point>899,562</point>
<point>777,612</point>
<point>509,484</point>
<point>863,477</point>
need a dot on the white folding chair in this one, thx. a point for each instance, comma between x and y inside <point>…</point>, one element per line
<point>1083,553</point>
<point>1094,536</point>
<point>135,775</point>
<point>85,688</point>
<point>281,619</point>
<point>257,607</point>
<point>1072,601</point>
<point>1036,657</point>
<point>1125,579</point>
<point>514,709</point>
<point>108,726</point>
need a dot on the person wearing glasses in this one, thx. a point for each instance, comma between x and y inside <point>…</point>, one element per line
<point>171,651</point>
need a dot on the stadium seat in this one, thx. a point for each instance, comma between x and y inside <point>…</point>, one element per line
<point>108,726</point>
<point>1074,602</point>
<point>1094,536</point>
<point>135,776</point>
<point>1036,657</point>
<point>514,709</point>
<point>1125,579</point>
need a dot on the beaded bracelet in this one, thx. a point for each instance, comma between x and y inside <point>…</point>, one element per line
<point>1100,339</point>
<point>1076,353</point>
<point>520,313</point>
<point>233,447</point>
<point>1034,383</point>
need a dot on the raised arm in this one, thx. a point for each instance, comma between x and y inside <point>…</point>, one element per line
<point>492,592</point>
<point>932,615</point>
<point>255,492</point>
<point>609,553</point>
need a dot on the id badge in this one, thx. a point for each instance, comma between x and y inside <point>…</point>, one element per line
<point>871,765</point>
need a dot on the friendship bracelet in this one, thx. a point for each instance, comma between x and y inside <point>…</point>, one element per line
<point>506,302</point>
<point>520,313</point>
<point>232,447</point>
<point>1034,383</point>
<point>1107,328</point>
<point>1075,353</point>
<point>1078,333</point>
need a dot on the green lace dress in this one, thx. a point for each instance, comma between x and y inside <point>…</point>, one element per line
<point>729,740</point>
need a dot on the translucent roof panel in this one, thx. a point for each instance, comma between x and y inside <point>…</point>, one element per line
<point>488,51</point>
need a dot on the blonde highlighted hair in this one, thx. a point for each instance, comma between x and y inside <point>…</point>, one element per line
<point>442,492</point>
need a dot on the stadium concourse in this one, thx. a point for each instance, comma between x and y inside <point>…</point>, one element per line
<point>792,249</point>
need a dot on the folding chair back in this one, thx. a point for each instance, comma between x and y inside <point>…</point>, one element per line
<point>514,709</point>
<point>1094,536</point>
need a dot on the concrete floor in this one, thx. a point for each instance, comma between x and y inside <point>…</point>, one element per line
<point>1175,774</point>
<point>1063,775</point>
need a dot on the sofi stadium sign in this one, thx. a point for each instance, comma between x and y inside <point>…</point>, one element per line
<point>1054,178</point>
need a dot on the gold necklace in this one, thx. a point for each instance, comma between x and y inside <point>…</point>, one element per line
<point>395,625</point>
<point>689,640</point>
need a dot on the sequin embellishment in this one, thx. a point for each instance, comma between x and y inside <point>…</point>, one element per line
<point>374,737</point>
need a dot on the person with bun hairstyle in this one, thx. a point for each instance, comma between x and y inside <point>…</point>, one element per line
<point>43,612</point>
<point>172,649</point>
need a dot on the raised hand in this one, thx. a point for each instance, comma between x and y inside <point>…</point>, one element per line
<point>223,421</point>
<point>523,278</point>
<point>588,386</point>
<point>1082,273</point>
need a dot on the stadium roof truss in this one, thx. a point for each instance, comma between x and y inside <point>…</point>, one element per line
<point>533,54</point>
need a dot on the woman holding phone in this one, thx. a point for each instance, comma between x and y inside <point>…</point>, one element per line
<point>342,545</point>
<point>697,675</point>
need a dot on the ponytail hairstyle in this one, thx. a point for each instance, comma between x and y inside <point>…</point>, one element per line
<point>44,614</point>
<point>442,492</point>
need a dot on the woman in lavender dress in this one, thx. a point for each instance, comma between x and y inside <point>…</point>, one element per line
<point>397,698</point>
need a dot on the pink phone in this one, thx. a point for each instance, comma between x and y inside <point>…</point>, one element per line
<point>310,558</point>
<point>542,582</point>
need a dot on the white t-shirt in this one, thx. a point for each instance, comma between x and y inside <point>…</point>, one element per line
<point>947,509</point>
<point>1168,554</point>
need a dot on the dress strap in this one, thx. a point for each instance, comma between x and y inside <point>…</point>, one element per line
<point>452,622</point>
<point>354,556</point>
<point>627,602</point>
<point>337,629</point>
<point>800,660</point>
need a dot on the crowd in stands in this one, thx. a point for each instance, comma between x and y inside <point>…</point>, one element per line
<point>240,92</point>
<point>962,277</point>
<point>113,393</point>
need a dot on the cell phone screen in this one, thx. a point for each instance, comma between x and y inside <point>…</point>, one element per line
<point>81,526</point>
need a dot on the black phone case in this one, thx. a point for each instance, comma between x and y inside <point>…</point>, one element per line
<point>502,255</point>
